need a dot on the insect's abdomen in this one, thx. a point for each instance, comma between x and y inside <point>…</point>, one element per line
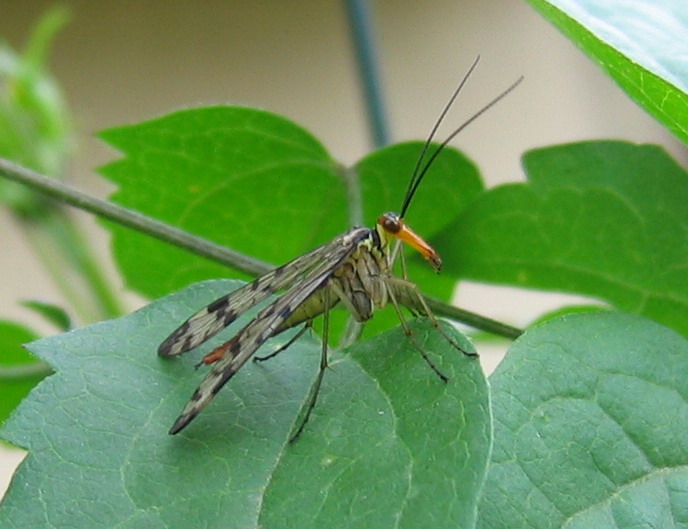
<point>313,307</point>
<point>357,284</point>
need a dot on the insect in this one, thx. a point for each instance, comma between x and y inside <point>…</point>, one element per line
<point>353,270</point>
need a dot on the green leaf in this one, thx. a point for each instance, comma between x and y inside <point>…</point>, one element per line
<point>604,219</point>
<point>262,185</point>
<point>566,310</point>
<point>640,44</point>
<point>52,313</point>
<point>388,444</point>
<point>590,413</point>
<point>229,174</point>
<point>13,389</point>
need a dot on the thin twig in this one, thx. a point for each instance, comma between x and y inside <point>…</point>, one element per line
<point>472,319</point>
<point>200,246</point>
<point>23,371</point>
<point>362,35</point>
<point>354,196</point>
<point>133,219</point>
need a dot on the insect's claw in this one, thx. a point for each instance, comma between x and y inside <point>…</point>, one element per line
<point>258,359</point>
<point>444,378</point>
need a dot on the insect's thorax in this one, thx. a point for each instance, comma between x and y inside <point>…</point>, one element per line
<point>359,281</point>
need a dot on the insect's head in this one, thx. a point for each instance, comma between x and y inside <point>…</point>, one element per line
<point>391,226</point>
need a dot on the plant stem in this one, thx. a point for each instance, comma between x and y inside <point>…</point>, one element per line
<point>132,219</point>
<point>59,245</point>
<point>360,25</point>
<point>353,329</point>
<point>354,197</point>
<point>472,319</point>
<point>198,245</point>
<point>20,372</point>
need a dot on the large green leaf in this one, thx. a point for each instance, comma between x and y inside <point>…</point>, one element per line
<point>606,219</point>
<point>226,173</point>
<point>12,354</point>
<point>640,43</point>
<point>590,418</point>
<point>388,444</point>
<point>262,185</point>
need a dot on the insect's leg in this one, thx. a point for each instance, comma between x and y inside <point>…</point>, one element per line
<point>315,389</point>
<point>308,325</point>
<point>410,290</point>
<point>409,335</point>
<point>402,257</point>
<point>398,251</point>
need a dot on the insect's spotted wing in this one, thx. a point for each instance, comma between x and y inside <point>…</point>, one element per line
<point>241,347</point>
<point>210,320</point>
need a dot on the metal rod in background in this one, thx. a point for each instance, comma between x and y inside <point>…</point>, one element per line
<point>360,23</point>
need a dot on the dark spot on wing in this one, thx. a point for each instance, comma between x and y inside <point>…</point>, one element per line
<point>187,343</point>
<point>219,304</point>
<point>260,340</point>
<point>229,317</point>
<point>226,375</point>
<point>235,347</point>
<point>182,421</point>
<point>166,346</point>
<point>183,329</point>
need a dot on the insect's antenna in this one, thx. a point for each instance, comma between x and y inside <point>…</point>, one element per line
<point>413,184</point>
<point>419,176</point>
<point>415,178</point>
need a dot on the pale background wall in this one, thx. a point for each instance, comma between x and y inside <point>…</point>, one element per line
<point>125,61</point>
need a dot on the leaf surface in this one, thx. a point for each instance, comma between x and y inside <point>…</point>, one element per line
<point>640,43</point>
<point>100,455</point>
<point>590,413</point>
<point>12,354</point>
<point>604,219</point>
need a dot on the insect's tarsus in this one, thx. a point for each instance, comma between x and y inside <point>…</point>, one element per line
<point>308,325</point>
<point>412,340</point>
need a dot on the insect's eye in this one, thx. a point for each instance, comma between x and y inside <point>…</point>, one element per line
<point>390,222</point>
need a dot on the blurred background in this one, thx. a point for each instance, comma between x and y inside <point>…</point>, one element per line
<point>121,62</point>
